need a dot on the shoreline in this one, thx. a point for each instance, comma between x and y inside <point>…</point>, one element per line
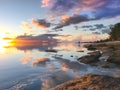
<point>91,82</point>
<point>105,55</point>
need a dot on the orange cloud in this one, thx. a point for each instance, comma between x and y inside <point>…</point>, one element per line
<point>85,37</point>
<point>64,68</point>
<point>91,37</point>
<point>46,3</point>
<point>26,26</point>
<point>64,17</point>
<point>25,60</point>
<point>40,60</point>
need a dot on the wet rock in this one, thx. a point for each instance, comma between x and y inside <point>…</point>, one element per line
<point>55,51</point>
<point>91,47</point>
<point>81,51</point>
<point>92,58</point>
<point>91,82</point>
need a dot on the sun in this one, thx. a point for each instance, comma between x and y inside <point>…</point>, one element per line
<point>3,43</point>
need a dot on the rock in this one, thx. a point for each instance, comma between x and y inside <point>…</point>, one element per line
<point>91,82</point>
<point>104,64</point>
<point>55,51</point>
<point>91,47</point>
<point>81,51</point>
<point>92,58</point>
<point>110,49</point>
<point>115,60</point>
<point>115,57</point>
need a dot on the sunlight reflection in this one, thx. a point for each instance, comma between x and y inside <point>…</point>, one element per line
<point>3,44</point>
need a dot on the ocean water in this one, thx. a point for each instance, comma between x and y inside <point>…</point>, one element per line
<point>43,67</point>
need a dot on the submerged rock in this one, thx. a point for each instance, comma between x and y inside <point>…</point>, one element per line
<point>91,82</point>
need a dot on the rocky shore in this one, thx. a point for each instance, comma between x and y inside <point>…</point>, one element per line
<point>105,55</point>
<point>91,82</point>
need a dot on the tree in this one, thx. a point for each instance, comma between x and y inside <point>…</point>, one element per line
<point>115,32</point>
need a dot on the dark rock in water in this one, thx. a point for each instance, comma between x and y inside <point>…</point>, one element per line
<point>91,47</point>
<point>71,56</point>
<point>91,82</point>
<point>55,51</point>
<point>92,58</point>
<point>81,51</point>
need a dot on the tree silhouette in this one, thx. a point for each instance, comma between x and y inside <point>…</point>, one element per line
<point>115,32</point>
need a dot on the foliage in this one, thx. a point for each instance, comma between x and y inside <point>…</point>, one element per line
<point>115,32</point>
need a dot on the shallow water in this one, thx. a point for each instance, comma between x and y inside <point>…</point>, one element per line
<point>32,68</point>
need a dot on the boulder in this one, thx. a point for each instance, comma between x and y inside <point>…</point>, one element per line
<point>92,58</point>
<point>91,47</point>
<point>91,82</point>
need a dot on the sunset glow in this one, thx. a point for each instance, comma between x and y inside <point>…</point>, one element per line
<point>2,43</point>
<point>44,43</point>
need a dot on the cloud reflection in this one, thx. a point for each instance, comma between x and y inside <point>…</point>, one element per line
<point>40,60</point>
<point>25,60</point>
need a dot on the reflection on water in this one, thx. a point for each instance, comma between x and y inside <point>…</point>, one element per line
<point>31,67</point>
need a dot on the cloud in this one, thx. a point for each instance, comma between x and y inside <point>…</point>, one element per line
<point>46,3</point>
<point>99,26</point>
<point>38,37</point>
<point>74,11</point>
<point>91,37</point>
<point>85,37</point>
<point>95,27</point>
<point>97,33</point>
<point>31,41</point>
<point>40,60</point>
<point>25,60</point>
<point>75,19</point>
<point>111,8</point>
<point>60,7</point>
<point>92,29</point>
<point>104,31</point>
<point>41,23</point>
<point>98,8</point>
<point>87,26</point>
<point>26,26</point>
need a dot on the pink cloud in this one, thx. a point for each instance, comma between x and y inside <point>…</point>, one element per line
<point>25,60</point>
<point>41,23</point>
<point>40,60</point>
<point>85,37</point>
<point>26,26</point>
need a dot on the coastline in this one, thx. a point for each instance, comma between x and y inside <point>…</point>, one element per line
<point>105,55</point>
<point>91,82</point>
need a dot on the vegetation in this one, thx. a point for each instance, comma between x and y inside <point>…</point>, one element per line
<point>115,32</point>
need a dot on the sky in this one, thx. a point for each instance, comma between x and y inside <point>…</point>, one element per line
<point>68,20</point>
